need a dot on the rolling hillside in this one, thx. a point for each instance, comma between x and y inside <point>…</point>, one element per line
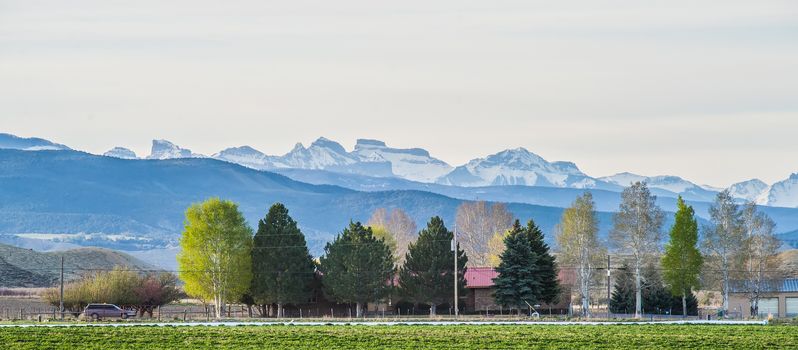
<point>28,268</point>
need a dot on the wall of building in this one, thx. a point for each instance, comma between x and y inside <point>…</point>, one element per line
<point>738,301</point>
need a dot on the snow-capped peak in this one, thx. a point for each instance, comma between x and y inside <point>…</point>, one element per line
<point>749,190</point>
<point>672,184</point>
<point>781,194</point>
<point>246,156</point>
<point>413,163</point>
<point>121,152</point>
<point>518,166</point>
<point>163,149</point>
<point>322,153</point>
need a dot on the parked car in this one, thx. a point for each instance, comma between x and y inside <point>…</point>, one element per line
<point>99,311</point>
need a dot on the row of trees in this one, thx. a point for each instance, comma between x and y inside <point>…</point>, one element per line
<point>126,288</point>
<point>221,261</point>
<point>737,244</point>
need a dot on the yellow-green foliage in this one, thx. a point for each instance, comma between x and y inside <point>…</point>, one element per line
<point>215,261</point>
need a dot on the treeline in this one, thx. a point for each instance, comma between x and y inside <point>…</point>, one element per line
<point>125,288</point>
<point>736,249</point>
<point>223,262</point>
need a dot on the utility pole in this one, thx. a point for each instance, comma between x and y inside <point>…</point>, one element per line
<point>61,299</point>
<point>608,287</point>
<point>454,249</point>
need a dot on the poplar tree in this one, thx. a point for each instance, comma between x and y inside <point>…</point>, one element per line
<point>282,267</point>
<point>356,267</point>
<point>427,275</point>
<point>682,260</point>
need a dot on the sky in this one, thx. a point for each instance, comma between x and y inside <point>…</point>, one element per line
<point>706,90</point>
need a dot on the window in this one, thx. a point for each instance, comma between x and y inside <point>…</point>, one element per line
<point>769,306</point>
<point>792,307</point>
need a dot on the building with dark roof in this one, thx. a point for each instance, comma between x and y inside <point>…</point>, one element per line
<point>779,299</point>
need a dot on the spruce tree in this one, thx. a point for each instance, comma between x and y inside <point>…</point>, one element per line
<point>622,300</point>
<point>518,282</point>
<point>546,265</point>
<point>656,298</point>
<point>282,266</point>
<point>356,267</point>
<point>682,260</point>
<point>427,275</point>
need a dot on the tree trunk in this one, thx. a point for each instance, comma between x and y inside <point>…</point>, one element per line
<point>433,309</point>
<point>217,307</point>
<point>638,293</point>
<point>684,304</point>
<point>358,310</point>
<point>280,310</point>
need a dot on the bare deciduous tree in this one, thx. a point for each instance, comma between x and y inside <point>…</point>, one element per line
<point>723,239</point>
<point>399,225</point>
<point>637,232</point>
<point>477,223</point>
<point>760,254</point>
<point>577,237</point>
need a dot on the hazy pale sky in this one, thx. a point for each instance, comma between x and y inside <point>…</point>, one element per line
<point>707,90</point>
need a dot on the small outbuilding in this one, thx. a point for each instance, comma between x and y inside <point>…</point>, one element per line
<point>779,299</point>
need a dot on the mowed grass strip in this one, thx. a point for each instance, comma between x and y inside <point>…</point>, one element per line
<point>405,337</point>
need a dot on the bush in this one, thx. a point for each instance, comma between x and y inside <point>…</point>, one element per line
<point>125,288</point>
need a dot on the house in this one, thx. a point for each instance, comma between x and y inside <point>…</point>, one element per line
<point>779,298</point>
<point>479,291</point>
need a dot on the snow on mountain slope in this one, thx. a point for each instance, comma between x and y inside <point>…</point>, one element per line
<point>248,157</point>
<point>120,152</point>
<point>748,190</point>
<point>321,154</point>
<point>673,184</point>
<point>414,164</point>
<point>782,193</point>
<point>517,167</point>
<point>163,149</point>
<point>9,141</point>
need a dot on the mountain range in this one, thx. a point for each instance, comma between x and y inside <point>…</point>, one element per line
<point>52,197</point>
<point>512,167</point>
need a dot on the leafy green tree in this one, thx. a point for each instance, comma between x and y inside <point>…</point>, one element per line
<point>215,260</point>
<point>518,282</point>
<point>547,270</point>
<point>356,267</point>
<point>282,268</point>
<point>682,260</point>
<point>427,275</point>
<point>622,300</point>
<point>381,232</point>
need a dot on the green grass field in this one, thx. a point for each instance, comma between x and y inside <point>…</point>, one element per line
<point>405,337</point>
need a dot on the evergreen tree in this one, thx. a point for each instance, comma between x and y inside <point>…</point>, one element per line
<point>356,267</point>
<point>622,300</point>
<point>656,298</point>
<point>427,275</point>
<point>282,268</point>
<point>547,270</point>
<point>682,260</point>
<point>519,281</point>
<point>692,305</point>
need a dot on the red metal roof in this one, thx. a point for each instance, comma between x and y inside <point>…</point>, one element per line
<point>482,277</point>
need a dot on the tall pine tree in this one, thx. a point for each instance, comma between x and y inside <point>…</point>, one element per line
<point>281,264</point>
<point>356,267</point>
<point>518,283</point>
<point>682,260</point>
<point>427,275</point>
<point>622,300</point>
<point>546,266</point>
